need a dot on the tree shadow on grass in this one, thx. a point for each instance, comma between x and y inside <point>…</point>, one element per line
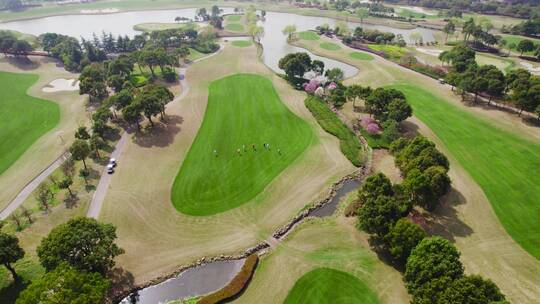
<point>162,134</point>
<point>409,129</point>
<point>71,200</point>
<point>22,63</point>
<point>122,283</point>
<point>9,294</point>
<point>444,220</point>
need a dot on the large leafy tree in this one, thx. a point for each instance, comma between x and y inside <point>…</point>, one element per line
<point>295,64</point>
<point>402,238</point>
<point>471,290</point>
<point>377,103</point>
<point>10,252</point>
<point>432,259</point>
<point>374,186</point>
<point>83,243</point>
<point>65,284</point>
<point>378,214</point>
<point>93,82</point>
<point>80,150</point>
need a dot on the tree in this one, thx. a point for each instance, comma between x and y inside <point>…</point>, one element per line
<point>66,285</point>
<point>378,214</point>
<point>335,74</point>
<point>399,110</point>
<point>84,174</point>
<point>471,290</point>
<point>378,101</point>
<point>82,133</point>
<point>92,82</point>
<point>390,130</point>
<point>295,65</point>
<point>83,243</point>
<point>374,186</point>
<point>26,213</point>
<point>362,14</point>
<point>65,183</point>
<point>44,196</point>
<point>80,150</point>
<point>432,259</point>
<point>16,220</point>
<point>96,143</point>
<point>256,32</point>
<point>10,252</point>
<point>537,111</point>
<point>525,46</point>
<point>402,238</point>
<point>22,47</point>
<point>449,29</point>
<point>132,114</point>
<point>289,30</point>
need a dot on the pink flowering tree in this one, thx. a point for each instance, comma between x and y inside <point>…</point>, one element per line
<point>373,128</point>
<point>366,122</point>
<point>311,86</point>
<point>331,86</point>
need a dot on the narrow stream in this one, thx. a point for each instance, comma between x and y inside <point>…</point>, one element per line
<point>329,208</point>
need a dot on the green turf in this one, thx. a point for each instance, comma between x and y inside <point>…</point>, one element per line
<point>243,109</point>
<point>349,144</point>
<point>360,56</point>
<point>23,119</point>
<point>330,46</point>
<point>242,43</point>
<point>516,39</point>
<point>504,164</point>
<point>235,27</point>
<point>392,51</point>
<point>233,18</point>
<point>326,285</point>
<point>308,35</point>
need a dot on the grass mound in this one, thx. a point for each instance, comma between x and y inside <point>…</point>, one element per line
<point>233,18</point>
<point>23,119</point>
<point>308,35</point>
<point>330,46</point>
<point>502,163</point>
<point>236,285</point>
<point>234,27</point>
<point>360,56</point>
<point>242,43</point>
<point>243,109</point>
<point>349,144</point>
<point>326,285</point>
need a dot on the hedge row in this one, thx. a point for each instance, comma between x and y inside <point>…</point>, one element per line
<point>235,286</point>
<point>350,144</point>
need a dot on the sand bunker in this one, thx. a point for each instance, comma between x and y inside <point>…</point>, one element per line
<point>531,68</point>
<point>100,11</point>
<point>61,84</point>
<point>432,52</point>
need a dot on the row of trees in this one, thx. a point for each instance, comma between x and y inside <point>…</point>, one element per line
<point>9,44</point>
<point>519,86</point>
<point>530,28</point>
<point>76,256</point>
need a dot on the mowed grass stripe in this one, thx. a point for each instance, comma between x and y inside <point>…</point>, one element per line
<point>505,165</point>
<point>327,285</point>
<point>23,118</point>
<point>242,109</point>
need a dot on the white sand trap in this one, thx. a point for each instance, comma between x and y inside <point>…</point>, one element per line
<point>432,52</point>
<point>417,9</point>
<point>101,11</point>
<point>60,85</point>
<point>531,68</point>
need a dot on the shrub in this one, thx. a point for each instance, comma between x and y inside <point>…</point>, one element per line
<point>170,75</point>
<point>311,86</point>
<point>373,128</point>
<point>235,286</point>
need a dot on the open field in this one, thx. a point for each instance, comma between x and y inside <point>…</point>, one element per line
<point>236,118</point>
<point>150,27</point>
<point>467,217</point>
<point>24,118</point>
<point>325,285</point>
<point>242,43</point>
<point>330,46</point>
<point>234,27</point>
<point>308,35</point>
<point>45,149</point>
<point>233,18</point>
<point>156,237</point>
<point>360,56</point>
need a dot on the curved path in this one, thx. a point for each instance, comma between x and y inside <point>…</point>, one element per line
<point>101,191</point>
<point>31,186</point>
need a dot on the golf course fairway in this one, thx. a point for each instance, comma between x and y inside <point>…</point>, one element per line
<point>326,285</point>
<point>23,119</point>
<point>505,165</point>
<point>217,174</point>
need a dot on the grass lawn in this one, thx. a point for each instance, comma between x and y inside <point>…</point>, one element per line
<point>360,56</point>
<point>242,43</point>
<point>237,115</point>
<point>308,35</point>
<point>516,39</point>
<point>395,52</point>
<point>233,18</point>
<point>330,46</point>
<point>234,27</point>
<point>349,144</point>
<point>23,118</point>
<point>409,13</point>
<point>327,285</point>
<point>194,54</point>
<point>503,164</point>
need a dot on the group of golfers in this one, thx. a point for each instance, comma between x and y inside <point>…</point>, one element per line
<point>244,149</point>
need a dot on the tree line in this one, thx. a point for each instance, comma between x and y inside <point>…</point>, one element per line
<point>77,257</point>
<point>9,44</point>
<point>519,87</point>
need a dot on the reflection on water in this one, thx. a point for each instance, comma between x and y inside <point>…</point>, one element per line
<point>274,42</point>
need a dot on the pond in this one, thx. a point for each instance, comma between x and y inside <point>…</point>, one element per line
<point>274,42</point>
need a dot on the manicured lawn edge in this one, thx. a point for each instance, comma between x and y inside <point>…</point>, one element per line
<point>349,144</point>
<point>236,285</point>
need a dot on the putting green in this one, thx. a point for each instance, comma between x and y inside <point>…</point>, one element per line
<point>243,109</point>
<point>234,27</point>
<point>23,119</point>
<point>360,56</point>
<point>330,46</point>
<point>233,18</point>
<point>326,285</point>
<point>242,43</point>
<point>308,35</point>
<point>502,163</point>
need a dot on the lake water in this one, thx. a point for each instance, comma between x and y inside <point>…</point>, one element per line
<point>274,42</point>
